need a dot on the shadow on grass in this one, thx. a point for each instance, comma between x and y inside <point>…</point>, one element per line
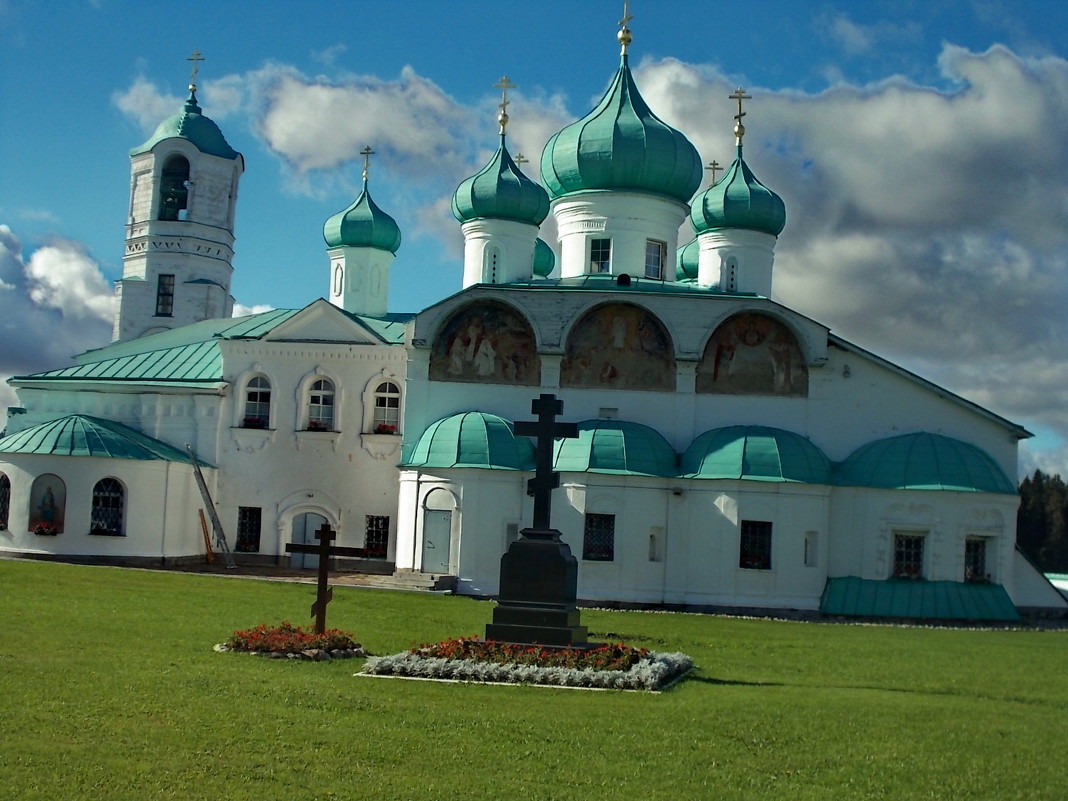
<point>733,682</point>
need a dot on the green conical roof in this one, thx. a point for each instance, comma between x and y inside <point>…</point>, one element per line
<point>544,259</point>
<point>363,225</point>
<point>500,191</point>
<point>191,124</point>
<point>738,200</point>
<point>621,144</point>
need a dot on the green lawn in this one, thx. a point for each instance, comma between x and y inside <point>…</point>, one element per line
<point>109,689</point>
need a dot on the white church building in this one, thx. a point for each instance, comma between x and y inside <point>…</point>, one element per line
<point>732,452</point>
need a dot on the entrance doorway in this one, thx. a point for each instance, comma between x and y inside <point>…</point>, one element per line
<point>304,528</point>
<point>437,535</point>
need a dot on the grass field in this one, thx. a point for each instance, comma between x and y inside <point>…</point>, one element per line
<point>109,689</point>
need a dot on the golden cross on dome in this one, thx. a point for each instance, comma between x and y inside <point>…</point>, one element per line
<point>624,34</point>
<point>196,57</point>
<point>504,84</point>
<point>366,153</point>
<point>739,129</point>
<point>714,167</point>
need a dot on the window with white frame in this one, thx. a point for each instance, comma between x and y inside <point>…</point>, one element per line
<point>599,538</point>
<point>257,403</point>
<point>321,406</point>
<point>109,500</point>
<point>754,547</point>
<point>386,418</point>
<point>908,555</point>
<point>655,255</point>
<point>600,255</point>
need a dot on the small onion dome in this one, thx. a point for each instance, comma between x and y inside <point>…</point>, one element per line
<point>544,258</point>
<point>472,439</point>
<point>755,453</point>
<point>686,261</point>
<point>616,446</point>
<point>924,461</point>
<point>621,144</point>
<point>738,200</point>
<point>500,191</point>
<point>191,124</point>
<point>363,225</point>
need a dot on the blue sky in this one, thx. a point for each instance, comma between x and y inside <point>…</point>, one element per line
<point>921,149</point>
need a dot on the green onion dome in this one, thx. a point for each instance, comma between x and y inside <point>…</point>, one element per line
<point>191,124</point>
<point>621,144</point>
<point>686,261</point>
<point>363,225</point>
<point>738,200</point>
<point>500,191</point>
<point>472,439</point>
<point>544,258</point>
<point>755,453</point>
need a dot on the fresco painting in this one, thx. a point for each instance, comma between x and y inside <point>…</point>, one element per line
<point>753,354</point>
<point>48,503</point>
<point>619,346</point>
<point>486,343</point>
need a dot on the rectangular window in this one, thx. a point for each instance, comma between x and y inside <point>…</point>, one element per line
<point>754,552</point>
<point>599,538</point>
<point>812,542</point>
<point>908,556</point>
<point>165,296</point>
<point>376,536</point>
<point>600,255</point>
<point>975,560</point>
<point>655,255</point>
<point>248,529</point>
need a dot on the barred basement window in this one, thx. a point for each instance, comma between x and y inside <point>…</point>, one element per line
<point>754,551</point>
<point>5,500</point>
<point>376,536</point>
<point>600,255</point>
<point>108,502</point>
<point>908,556</point>
<point>248,529</point>
<point>165,296</point>
<point>975,560</point>
<point>599,538</point>
<point>655,255</point>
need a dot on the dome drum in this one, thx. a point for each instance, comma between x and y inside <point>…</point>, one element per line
<point>736,260</point>
<point>497,251</point>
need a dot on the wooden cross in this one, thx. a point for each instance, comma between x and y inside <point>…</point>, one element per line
<point>714,167</point>
<point>196,57</point>
<point>366,153</point>
<point>325,550</point>
<point>545,430</point>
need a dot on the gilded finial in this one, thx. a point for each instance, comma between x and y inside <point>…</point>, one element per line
<point>366,153</point>
<point>504,84</point>
<point>195,58</point>
<point>624,35</point>
<point>714,167</point>
<point>739,129</point>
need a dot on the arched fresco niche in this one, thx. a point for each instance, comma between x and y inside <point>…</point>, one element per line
<point>753,354</point>
<point>619,346</point>
<point>48,504</point>
<point>486,343</point>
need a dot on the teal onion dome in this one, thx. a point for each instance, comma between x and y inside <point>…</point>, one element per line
<point>621,144</point>
<point>472,439</point>
<point>191,124</point>
<point>363,225</point>
<point>738,200</point>
<point>544,259</point>
<point>755,453</point>
<point>686,261</point>
<point>500,191</point>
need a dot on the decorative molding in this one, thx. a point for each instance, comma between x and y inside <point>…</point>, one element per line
<point>380,446</point>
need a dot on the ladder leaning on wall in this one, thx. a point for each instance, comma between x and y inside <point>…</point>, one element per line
<point>216,524</point>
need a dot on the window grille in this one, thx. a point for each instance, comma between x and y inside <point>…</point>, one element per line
<point>376,536</point>
<point>165,296</point>
<point>908,556</point>
<point>108,502</point>
<point>975,560</point>
<point>599,538</point>
<point>248,529</point>
<point>600,255</point>
<point>5,500</point>
<point>655,255</point>
<point>754,552</point>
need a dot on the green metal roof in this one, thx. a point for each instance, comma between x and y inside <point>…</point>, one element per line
<point>472,439</point>
<point>81,435</point>
<point>363,225</point>
<point>544,258</point>
<point>686,260</point>
<point>621,144</point>
<point>616,446</point>
<point>738,200</point>
<point>500,191</point>
<point>755,453</point>
<point>926,600</point>
<point>924,461</point>
<point>191,124</point>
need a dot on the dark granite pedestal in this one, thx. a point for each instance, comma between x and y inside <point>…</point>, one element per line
<point>539,581</point>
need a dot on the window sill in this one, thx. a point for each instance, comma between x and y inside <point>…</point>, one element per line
<point>107,534</point>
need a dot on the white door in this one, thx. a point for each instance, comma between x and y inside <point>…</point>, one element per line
<point>437,534</point>
<point>304,528</point>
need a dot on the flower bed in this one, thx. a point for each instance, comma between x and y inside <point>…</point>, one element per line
<point>286,639</point>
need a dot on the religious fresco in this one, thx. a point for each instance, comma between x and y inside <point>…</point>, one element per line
<point>486,343</point>
<point>753,354</point>
<point>48,503</point>
<point>619,346</point>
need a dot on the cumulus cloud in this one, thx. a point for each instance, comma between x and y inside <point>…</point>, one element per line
<point>241,310</point>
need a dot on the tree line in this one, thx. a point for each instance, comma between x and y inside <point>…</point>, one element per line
<point>1042,522</point>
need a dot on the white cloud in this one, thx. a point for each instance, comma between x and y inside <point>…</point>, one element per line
<point>146,104</point>
<point>241,310</point>
<point>62,276</point>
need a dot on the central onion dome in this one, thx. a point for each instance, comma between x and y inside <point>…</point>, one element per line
<point>500,191</point>
<point>363,225</point>
<point>191,124</point>
<point>621,144</point>
<point>738,200</point>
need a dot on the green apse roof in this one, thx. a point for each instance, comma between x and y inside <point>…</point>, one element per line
<point>738,200</point>
<point>544,259</point>
<point>191,124</point>
<point>472,439</point>
<point>932,600</point>
<point>686,260</point>
<point>616,446</point>
<point>363,225</point>
<point>756,453</point>
<point>621,144</point>
<point>80,435</point>
<point>500,191</point>
<point>924,461</point>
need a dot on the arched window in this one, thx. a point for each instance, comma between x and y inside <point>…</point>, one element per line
<point>109,500</point>
<point>257,403</point>
<point>339,280</point>
<point>174,189</point>
<point>5,500</point>
<point>387,409</point>
<point>321,406</point>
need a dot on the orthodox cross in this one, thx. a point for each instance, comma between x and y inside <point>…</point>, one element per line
<point>325,550</point>
<point>520,160</point>
<point>624,34</point>
<point>739,129</point>
<point>366,153</point>
<point>504,84</point>
<point>714,167</point>
<point>545,430</point>
<point>196,67</point>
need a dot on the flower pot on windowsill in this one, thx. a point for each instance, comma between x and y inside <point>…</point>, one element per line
<point>385,429</point>
<point>315,425</point>
<point>43,530</point>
